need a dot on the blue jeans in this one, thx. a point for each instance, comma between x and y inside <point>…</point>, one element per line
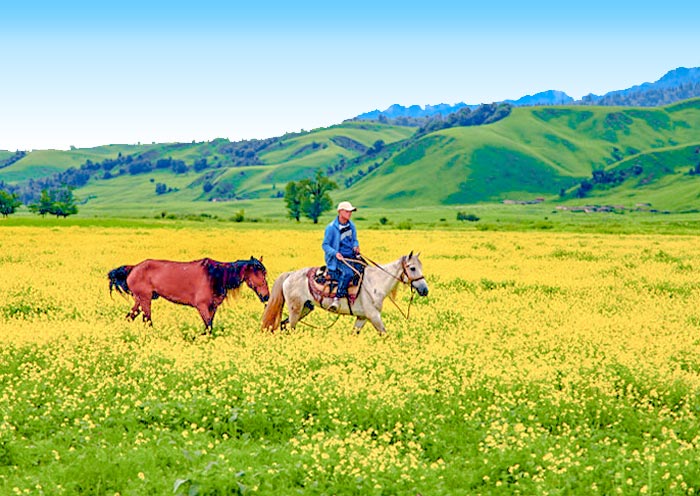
<point>343,274</point>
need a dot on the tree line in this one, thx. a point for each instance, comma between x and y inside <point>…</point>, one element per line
<point>650,98</point>
<point>18,155</point>
<point>59,202</point>
<point>486,113</point>
<point>483,114</point>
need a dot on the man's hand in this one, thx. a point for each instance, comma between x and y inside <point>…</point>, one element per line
<point>339,256</point>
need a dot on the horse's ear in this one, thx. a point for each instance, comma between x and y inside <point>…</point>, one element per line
<point>410,254</point>
<point>417,254</point>
<point>260,258</point>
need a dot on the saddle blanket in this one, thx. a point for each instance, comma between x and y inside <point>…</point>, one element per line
<point>322,286</point>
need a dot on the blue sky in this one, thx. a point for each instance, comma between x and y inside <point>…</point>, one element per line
<point>88,73</point>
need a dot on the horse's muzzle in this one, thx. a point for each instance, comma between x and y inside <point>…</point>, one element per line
<point>421,287</point>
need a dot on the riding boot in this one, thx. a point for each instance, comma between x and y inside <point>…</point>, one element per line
<point>333,307</point>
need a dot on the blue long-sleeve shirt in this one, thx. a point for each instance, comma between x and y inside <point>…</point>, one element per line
<point>339,238</point>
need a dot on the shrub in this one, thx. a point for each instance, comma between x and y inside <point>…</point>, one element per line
<point>238,216</point>
<point>468,217</point>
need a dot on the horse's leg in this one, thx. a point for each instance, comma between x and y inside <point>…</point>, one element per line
<point>359,324</point>
<point>376,319</point>
<point>144,301</point>
<point>307,309</point>
<point>211,317</point>
<point>207,314</point>
<point>297,311</point>
<point>135,310</point>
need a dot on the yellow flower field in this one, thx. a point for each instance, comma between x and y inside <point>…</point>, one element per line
<point>542,363</point>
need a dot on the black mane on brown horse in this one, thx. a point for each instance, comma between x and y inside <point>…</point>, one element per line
<point>229,275</point>
<point>203,284</point>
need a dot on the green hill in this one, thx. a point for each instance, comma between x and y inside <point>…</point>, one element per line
<point>120,178</point>
<point>534,152</point>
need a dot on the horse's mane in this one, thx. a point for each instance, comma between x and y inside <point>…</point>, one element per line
<point>395,289</point>
<point>224,276</point>
<point>393,292</point>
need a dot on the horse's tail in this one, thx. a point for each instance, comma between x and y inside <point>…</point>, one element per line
<point>117,279</point>
<point>272,316</point>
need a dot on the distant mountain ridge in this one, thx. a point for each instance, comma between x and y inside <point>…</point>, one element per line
<point>396,111</point>
<point>679,84</point>
<point>676,85</point>
<point>549,97</point>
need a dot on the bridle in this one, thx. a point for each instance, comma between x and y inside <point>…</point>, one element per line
<point>404,273</point>
<point>404,270</point>
<point>408,280</point>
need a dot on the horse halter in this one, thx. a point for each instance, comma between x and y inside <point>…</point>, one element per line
<point>404,273</point>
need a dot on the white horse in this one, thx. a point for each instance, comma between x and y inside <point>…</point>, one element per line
<point>378,282</point>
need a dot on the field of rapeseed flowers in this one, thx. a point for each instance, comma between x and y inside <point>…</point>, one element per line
<point>542,363</point>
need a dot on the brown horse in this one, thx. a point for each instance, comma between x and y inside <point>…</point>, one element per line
<point>202,284</point>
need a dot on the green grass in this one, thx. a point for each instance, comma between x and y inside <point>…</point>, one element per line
<point>271,213</point>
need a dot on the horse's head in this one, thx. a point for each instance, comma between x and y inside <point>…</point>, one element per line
<point>255,276</point>
<point>413,273</point>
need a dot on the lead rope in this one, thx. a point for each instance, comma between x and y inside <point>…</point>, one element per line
<point>319,327</point>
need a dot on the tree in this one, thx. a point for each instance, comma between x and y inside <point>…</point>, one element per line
<point>292,199</point>
<point>309,197</point>
<point>64,203</point>
<point>315,199</point>
<point>43,206</point>
<point>377,147</point>
<point>9,202</point>
<point>58,202</point>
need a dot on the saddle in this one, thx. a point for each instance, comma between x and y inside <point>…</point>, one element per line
<point>322,286</point>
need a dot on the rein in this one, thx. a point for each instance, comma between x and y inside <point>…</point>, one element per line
<point>366,261</point>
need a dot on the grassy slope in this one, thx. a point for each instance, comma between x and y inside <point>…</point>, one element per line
<point>292,159</point>
<point>665,182</point>
<point>296,157</point>
<point>42,163</point>
<point>535,151</point>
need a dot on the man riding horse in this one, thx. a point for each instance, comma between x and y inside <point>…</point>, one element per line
<point>341,247</point>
